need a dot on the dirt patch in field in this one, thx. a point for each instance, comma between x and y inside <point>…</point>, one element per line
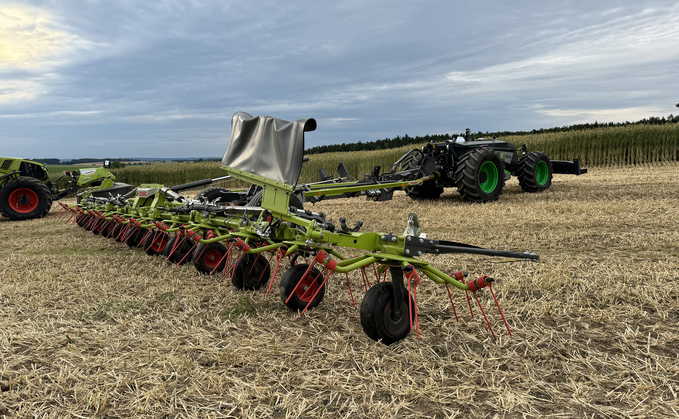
<point>92,328</point>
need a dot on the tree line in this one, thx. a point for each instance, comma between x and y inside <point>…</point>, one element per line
<point>399,141</point>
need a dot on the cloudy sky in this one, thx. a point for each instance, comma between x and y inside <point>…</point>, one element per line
<point>131,78</point>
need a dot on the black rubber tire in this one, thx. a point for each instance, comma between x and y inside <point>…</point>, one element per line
<point>207,257</point>
<point>469,176</point>
<point>120,237</point>
<point>116,231</point>
<point>289,281</point>
<point>182,254</point>
<point>107,228</point>
<point>38,199</point>
<point>133,237</point>
<point>256,200</point>
<point>530,177</point>
<point>91,223</point>
<point>81,219</point>
<point>427,190</point>
<point>252,272</point>
<point>375,314</point>
<point>155,243</point>
<point>98,227</point>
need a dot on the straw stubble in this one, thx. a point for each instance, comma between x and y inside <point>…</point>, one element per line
<point>90,328</point>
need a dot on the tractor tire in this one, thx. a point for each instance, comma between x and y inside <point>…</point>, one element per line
<point>479,176</point>
<point>376,319</point>
<point>252,272</point>
<point>302,296</point>
<point>208,258</point>
<point>256,201</point>
<point>535,172</point>
<point>24,198</point>
<point>155,243</point>
<point>427,190</point>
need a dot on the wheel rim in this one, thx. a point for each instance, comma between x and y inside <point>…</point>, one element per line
<point>491,177</point>
<point>392,325</point>
<point>23,200</point>
<point>159,245</point>
<point>211,258</point>
<point>541,172</point>
<point>307,288</point>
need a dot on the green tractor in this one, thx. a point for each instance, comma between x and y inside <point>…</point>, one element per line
<point>27,192</point>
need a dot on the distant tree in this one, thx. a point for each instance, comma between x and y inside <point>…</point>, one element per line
<point>117,165</point>
<point>677,105</point>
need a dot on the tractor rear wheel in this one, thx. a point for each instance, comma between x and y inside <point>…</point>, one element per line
<point>308,285</point>
<point>535,172</point>
<point>209,257</point>
<point>479,176</point>
<point>252,272</point>
<point>378,315</point>
<point>24,197</point>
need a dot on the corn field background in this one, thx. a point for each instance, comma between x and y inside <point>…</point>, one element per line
<point>602,147</point>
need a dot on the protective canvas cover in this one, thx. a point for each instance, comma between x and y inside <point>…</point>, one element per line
<point>267,146</point>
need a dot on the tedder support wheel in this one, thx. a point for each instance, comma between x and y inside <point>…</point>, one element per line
<point>116,231</point>
<point>133,237</point>
<point>24,197</point>
<point>479,176</point>
<point>535,172</point>
<point>154,244</point>
<point>252,272</point>
<point>380,319</point>
<point>183,252</point>
<point>208,257</point>
<point>308,285</point>
<point>98,227</point>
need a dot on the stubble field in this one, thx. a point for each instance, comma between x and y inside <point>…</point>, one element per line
<point>91,328</point>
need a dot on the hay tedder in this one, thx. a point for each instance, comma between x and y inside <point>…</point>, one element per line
<point>245,235</point>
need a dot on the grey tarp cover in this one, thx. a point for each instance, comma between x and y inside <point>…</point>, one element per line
<point>267,146</point>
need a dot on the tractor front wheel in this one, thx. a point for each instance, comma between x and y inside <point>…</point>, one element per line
<point>300,296</point>
<point>535,172</point>
<point>24,197</point>
<point>380,318</point>
<point>479,176</point>
<point>427,190</point>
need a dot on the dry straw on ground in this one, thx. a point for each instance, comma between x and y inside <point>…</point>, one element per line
<point>90,328</point>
